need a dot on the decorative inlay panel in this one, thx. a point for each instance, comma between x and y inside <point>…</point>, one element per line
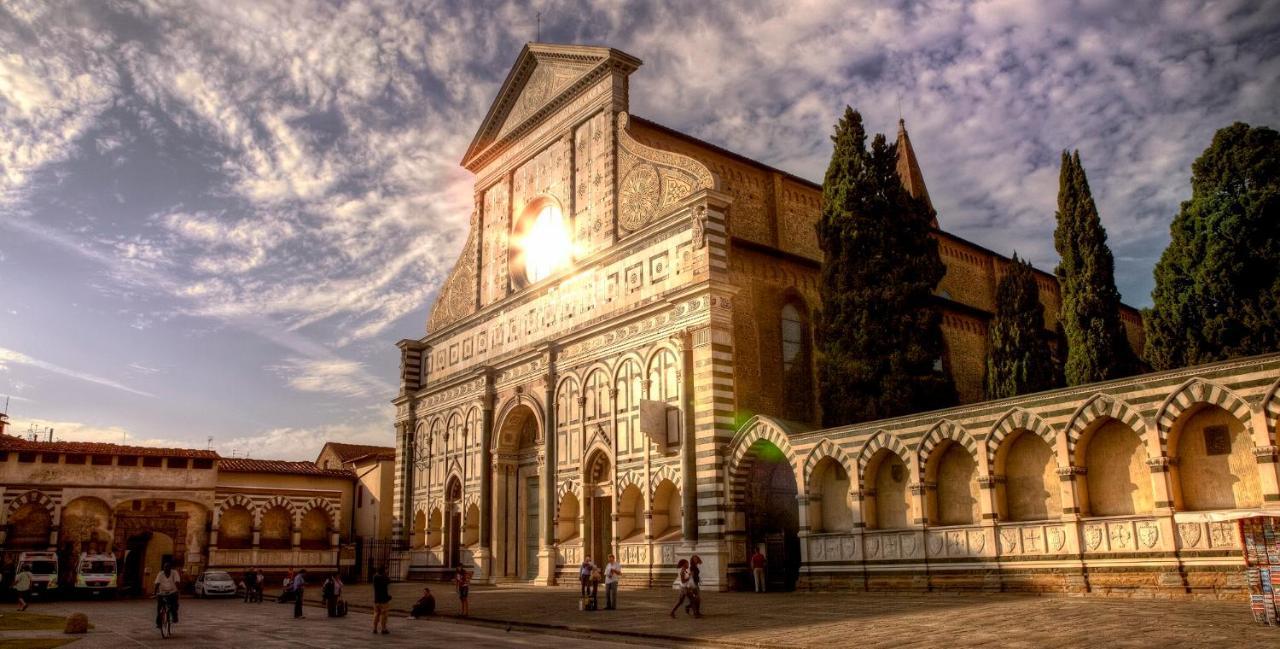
<point>652,181</point>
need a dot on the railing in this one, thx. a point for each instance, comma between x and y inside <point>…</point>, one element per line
<point>259,557</point>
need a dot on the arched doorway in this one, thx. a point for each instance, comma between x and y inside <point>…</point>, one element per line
<point>772,513</point>
<point>516,480</point>
<point>145,554</point>
<point>453,509</point>
<point>597,488</point>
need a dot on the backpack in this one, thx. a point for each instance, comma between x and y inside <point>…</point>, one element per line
<point>328,588</point>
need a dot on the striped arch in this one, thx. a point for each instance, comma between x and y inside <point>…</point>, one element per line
<point>758,429</point>
<point>276,501</point>
<point>826,448</point>
<point>881,439</point>
<point>322,503</point>
<point>37,497</point>
<point>1099,407</point>
<point>666,472</point>
<point>1271,413</point>
<point>627,479</point>
<point>234,500</point>
<point>943,431</point>
<point>471,498</point>
<point>1019,419</point>
<point>565,487</point>
<point>1195,392</point>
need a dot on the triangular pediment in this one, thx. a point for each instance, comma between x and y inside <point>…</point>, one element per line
<point>543,77</point>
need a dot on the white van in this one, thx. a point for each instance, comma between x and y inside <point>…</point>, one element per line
<point>43,567</point>
<point>96,574</point>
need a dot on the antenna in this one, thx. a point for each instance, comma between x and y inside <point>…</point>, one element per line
<point>539,18</point>
<point>208,443</point>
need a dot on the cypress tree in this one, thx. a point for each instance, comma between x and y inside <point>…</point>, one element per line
<point>879,333</point>
<point>1217,291</point>
<point>1018,355</point>
<point>1097,349</point>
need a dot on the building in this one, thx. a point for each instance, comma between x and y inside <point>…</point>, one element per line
<point>620,362</point>
<point>374,471</point>
<point>192,507</point>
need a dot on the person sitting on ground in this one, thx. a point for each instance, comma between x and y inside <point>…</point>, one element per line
<point>426,605</point>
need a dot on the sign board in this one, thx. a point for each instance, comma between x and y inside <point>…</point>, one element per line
<point>660,421</point>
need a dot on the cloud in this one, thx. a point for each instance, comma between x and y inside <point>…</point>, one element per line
<point>330,376</point>
<point>304,443</point>
<point>47,99</point>
<point>75,431</point>
<point>9,356</point>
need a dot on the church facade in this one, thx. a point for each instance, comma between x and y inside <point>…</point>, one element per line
<point>621,363</point>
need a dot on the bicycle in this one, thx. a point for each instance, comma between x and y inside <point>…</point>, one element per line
<point>164,616</point>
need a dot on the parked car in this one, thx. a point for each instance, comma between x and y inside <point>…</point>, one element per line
<point>43,567</point>
<point>215,583</point>
<point>96,574</point>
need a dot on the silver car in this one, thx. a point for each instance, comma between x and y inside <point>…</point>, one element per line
<point>215,583</point>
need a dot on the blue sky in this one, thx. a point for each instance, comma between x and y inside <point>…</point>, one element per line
<point>216,218</point>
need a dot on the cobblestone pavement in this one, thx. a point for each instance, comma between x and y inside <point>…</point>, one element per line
<point>827,620</point>
<point>230,623</point>
<point>542,617</point>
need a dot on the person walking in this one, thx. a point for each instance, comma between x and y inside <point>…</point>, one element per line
<point>330,595</point>
<point>166,590</point>
<point>299,589</point>
<point>250,584</point>
<point>381,600</point>
<point>684,579</point>
<point>462,579</point>
<point>261,584</point>
<point>22,586</point>
<point>695,591</point>
<point>612,571</point>
<point>426,605</point>
<point>757,570</point>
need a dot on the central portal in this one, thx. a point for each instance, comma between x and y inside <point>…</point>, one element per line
<point>516,511</point>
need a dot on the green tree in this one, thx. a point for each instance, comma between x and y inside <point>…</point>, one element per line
<point>1019,360</point>
<point>1217,292</point>
<point>1097,348</point>
<point>879,333</point>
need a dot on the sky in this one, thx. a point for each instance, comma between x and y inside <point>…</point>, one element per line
<point>217,217</point>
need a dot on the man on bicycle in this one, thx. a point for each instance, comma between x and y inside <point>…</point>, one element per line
<point>166,591</point>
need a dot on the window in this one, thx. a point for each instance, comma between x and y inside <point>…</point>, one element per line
<point>797,365</point>
<point>792,337</point>
<point>543,244</point>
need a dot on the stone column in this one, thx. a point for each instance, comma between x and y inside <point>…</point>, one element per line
<point>411,454</point>
<point>547,495</point>
<point>485,554</point>
<point>1071,509</point>
<point>688,438</point>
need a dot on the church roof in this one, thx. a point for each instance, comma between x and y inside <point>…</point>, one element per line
<point>14,443</point>
<point>909,167</point>
<point>247,465</point>
<point>544,77</point>
<point>351,452</point>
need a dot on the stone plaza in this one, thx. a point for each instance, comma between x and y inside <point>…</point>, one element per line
<point>539,617</point>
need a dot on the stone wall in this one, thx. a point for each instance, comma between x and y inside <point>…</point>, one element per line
<point>1123,487</point>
